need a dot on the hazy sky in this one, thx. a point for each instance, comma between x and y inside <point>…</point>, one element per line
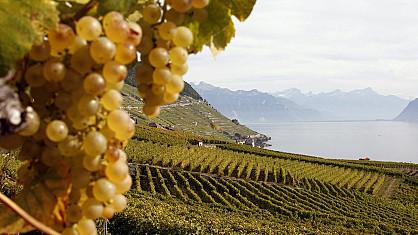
<point>320,45</point>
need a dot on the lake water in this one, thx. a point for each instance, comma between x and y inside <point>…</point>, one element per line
<point>379,140</point>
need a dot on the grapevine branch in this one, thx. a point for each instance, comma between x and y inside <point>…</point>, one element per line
<point>83,11</point>
<point>25,216</point>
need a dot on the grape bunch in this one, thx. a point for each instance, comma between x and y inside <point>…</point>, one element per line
<point>75,170</point>
<point>164,51</point>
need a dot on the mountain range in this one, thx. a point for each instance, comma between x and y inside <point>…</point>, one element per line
<point>410,113</point>
<point>293,105</point>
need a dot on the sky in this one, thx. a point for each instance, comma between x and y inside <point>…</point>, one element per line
<point>319,46</point>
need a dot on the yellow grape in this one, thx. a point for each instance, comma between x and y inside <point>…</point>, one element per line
<point>103,190</point>
<point>144,73</point>
<point>32,123</point>
<point>77,44</point>
<point>176,17</point>
<point>124,185</point>
<point>70,231</point>
<point>92,163</point>
<point>82,61</point>
<point>112,100</point>
<point>162,76</point>
<point>170,98</point>
<point>40,52</point>
<point>175,85</point>
<point>72,81</point>
<point>92,209</point>
<point>183,37</point>
<point>179,70</point>
<point>116,29</point>
<point>88,28</point>
<point>102,50</point>
<point>117,171</point>
<point>125,53</point>
<point>119,202</point>
<point>159,57</point>
<point>95,143</point>
<point>34,76</point>
<point>135,34</point>
<point>166,30</point>
<point>127,132</point>
<point>200,3</point>
<point>151,110</point>
<point>108,212</point>
<point>88,105</point>
<point>63,100</point>
<point>112,17</point>
<point>117,119</point>
<point>54,71</point>
<point>80,177</point>
<point>86,227</point>
<point>61,38</point>
<point>116,86</point>
<point>181,5</point>
<point>57,131</point>
<point>146,45</point>
<point>114,72</point>
<point>158,89</point>
<point>163,44</point>
<point>70,147</point>
<point>152,13</point>
<point>94,84</point>
<point>178,55</point>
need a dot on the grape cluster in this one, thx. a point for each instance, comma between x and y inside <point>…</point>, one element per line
<point>75,132</point>
<point>164,51</point>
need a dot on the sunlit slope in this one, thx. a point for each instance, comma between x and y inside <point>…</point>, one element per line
<point>188,114</point>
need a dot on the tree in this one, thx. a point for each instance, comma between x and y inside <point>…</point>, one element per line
<point>62,64</point>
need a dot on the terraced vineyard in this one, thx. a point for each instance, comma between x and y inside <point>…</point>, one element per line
<point>255,167</point>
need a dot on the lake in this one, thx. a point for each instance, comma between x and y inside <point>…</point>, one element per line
<point>378,140</point>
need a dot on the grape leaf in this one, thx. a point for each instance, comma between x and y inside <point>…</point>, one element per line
<point>10,222</point>
<point>240,8</point>
<point>21,25</point>
<point>123,6</point>
<point>223,38</point>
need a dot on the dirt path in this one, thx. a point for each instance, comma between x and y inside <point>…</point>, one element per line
<point>390,190</point>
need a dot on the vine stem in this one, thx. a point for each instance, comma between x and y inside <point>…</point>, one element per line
<point>83,11</point>
<point>25,216</point>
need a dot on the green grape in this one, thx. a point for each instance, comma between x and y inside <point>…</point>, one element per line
<point>179,70</point>
<point>61,39</point>
<point>103,190</point>
<point>88,105</point>
<point>86,227</point>
<point>162,76</point>
<point>114,72</point>
<point>77,44</point>
<point>88,28</point>
<point>124,185</point>
<point>119,202</point>
<point>70,147</point>
<point>95,143</point>
<point>63,100</point>
<point>117,171</point>
<point>166,30</point>
<point>175,85</point>
<point>135,34</point>
<point>32,123</point>
<point>125,53</point>
<point>92,209</point>
<point>92,163</point>
<point>40,52</point>
<point>152,13</point>
<point>181,5</point>
<point>183,37</point>
<point>178,55</point>
<point>57,131</point>
<point>170,98</point>
<point>176,17</point>
<point>82,61</point>
<point>94,84</point>
<point>80,178</point>
<point>151,110</point>
<point>102,50</point>
<point>200,3</point>
<point>116,29</point>
<point>34,76</point>
<point>111,100</point>
<point>159,57</point>
<point>117,120</point>
<point>54,71</point>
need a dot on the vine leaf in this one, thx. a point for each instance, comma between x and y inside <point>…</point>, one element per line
<point>241,8</point>
<point>123,6</point>
<point>22,22</point>
<point>11,223</point>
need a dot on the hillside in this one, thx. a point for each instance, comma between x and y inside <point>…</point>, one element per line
<point>254,106</point>
<point>410,113</point>
<point>361,104</point>
<point>190,114</point>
